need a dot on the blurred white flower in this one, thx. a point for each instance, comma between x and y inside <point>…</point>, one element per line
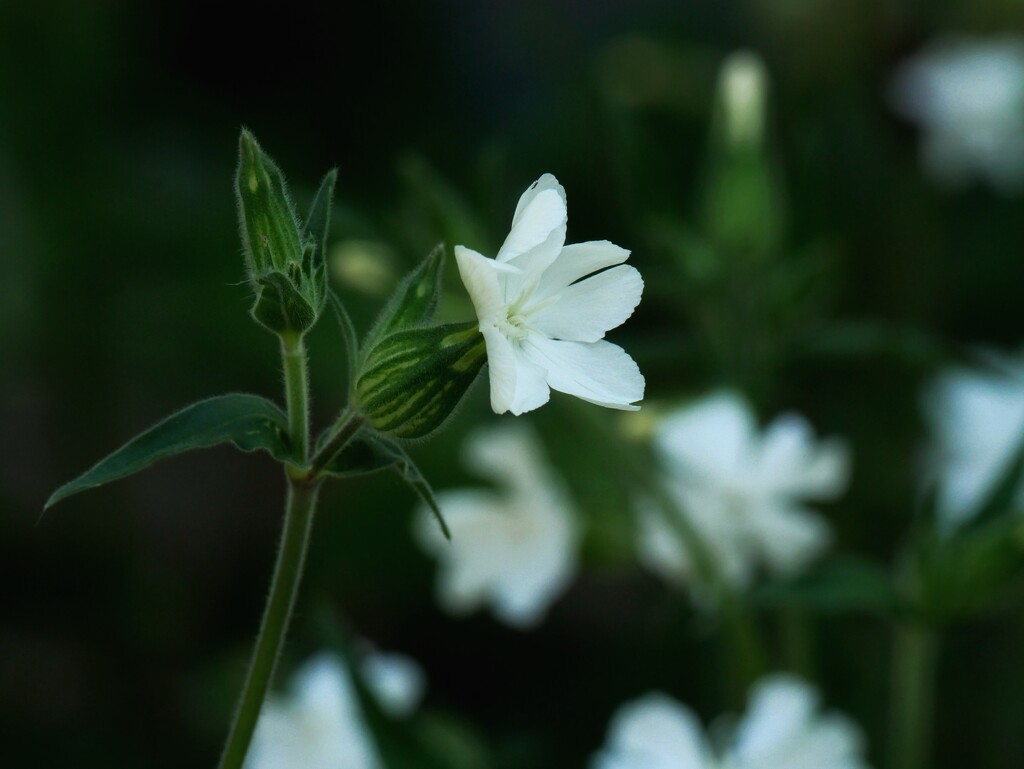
<point>543,326</point>
<point>514,547</point>
<point>977,422</point>
<point>319,725</point>
<point>782,729</point>
<point>741,491</point>
<point>396,681</point>
<point>968,97</point>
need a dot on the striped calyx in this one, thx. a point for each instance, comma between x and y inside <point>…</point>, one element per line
<point>411,381</point>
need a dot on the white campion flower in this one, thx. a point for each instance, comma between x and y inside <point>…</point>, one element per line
<point>319,724</point>
<point>977,423</point>
<point>543,326</point>
<point>968,97</point>
<point>741,491</point>
<point>782,729</point>
<point>514,547</point>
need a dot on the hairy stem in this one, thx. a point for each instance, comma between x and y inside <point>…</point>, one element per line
<point>291,556</point>
<point>276,615</point>
<point>296,391</point>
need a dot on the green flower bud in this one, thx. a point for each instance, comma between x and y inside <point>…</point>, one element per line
<point>285,261</point>
<point>413,380</point>
<point>743,214</point>
<point>267,219</point>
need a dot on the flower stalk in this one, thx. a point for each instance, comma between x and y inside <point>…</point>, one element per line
<point>915,649</point>
<point>284,588</point>
<point>300,507</point>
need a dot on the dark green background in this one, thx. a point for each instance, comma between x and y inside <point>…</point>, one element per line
<point>126,614</point>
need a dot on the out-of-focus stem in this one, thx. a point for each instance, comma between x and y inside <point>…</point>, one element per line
<point>915,648</point>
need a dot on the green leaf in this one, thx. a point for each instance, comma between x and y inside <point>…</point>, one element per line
<point>349,337</point>
<point>267,219</point>
<point>414,300</point>
<point>363,455</point>
<point>250,422</point>
<point>319,220</point>
<point>413,380</point>
<point>838,586</point>
<point>371,453</point>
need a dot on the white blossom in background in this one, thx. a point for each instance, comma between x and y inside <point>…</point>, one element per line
<point>782,729</point>
<point>513,547</point>
<point>977,423</point>
<point>318,725</point>
<point>395,680</point>
<point>967,95</point>
<point>742,490</point>
<point>543,326</point>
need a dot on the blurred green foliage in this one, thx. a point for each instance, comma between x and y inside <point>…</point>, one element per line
<point>128,613</point>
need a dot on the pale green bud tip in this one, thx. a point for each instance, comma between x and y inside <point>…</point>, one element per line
<point>743,88</point>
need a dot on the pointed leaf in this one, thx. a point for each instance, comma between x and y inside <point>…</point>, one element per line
<point>250,422</point>
<point>411,474</point>
<point>349,337</point>
<point>319,220</point>
<point>414,300</point>
<point>368,454</point>
<point>363,455</point>
<point>843,585</point>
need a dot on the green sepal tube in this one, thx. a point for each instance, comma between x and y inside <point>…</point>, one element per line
<point>413,380</point>
<point>267,220</point>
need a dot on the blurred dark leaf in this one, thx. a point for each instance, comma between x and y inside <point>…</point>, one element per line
<point>846,585</point>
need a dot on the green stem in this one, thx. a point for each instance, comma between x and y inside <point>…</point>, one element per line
<point>913,691</point>
<point>341,433</point>
<point>296,390</point>
<point>276,615</point>
<point>291,556</point>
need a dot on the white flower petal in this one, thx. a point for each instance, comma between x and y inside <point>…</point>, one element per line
<point>598,372</point>
<point>977,418</point>
<point>780,709</point>
<point>654,732</point>
<point>540,218</point>
<point>501,368</point>
<point>586,310</point>
<point>712,439</point>
<point>318,726</point>
<point>480,276</point>
<point>397,681</point>
<point>782,728</point>
<point>576,261</point>
<point>514,548</point>
<point>791,464</point>
<point>789,536</point>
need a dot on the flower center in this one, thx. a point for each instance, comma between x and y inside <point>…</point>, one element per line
<point>516,325</point>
